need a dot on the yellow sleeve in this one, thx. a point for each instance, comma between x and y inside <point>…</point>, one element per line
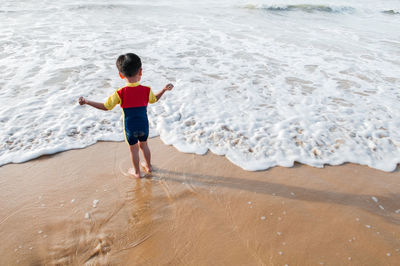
<point>152,97</point>
<point>112,101</point>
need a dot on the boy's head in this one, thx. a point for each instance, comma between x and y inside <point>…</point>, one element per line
<point>129,64</point>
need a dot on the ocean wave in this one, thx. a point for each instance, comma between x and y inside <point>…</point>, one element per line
<point>98,6</point>
<point>116,6</point>
<point>71,7</point>
<point>263,91</point>
<point>391,12</point>
<point>304,8</point>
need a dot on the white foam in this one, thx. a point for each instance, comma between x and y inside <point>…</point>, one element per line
<point>260,88</point>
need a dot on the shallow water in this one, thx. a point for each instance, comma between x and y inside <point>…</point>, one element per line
<point>263,82</point>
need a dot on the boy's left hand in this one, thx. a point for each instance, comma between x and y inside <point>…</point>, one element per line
<point>82,101</point>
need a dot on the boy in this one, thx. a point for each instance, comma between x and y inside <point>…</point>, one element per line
<point>133,99</point>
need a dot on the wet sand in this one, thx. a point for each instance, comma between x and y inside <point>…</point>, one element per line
<point>79,207</point>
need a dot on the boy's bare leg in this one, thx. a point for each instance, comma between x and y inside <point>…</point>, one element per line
<point>134,149</point>
<point>147,156</point>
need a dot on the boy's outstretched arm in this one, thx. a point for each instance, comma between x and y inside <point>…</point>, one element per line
<point>167,87</point>
<point>83,101</point>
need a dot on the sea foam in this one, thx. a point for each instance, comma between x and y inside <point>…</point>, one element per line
<point>316,85</point>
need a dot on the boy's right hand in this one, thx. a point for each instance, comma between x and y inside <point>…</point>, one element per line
<point>168,87</point>
<point>82,101</point>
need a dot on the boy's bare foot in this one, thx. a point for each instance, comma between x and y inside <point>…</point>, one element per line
<point>147,169</point>
<point>132,172</point>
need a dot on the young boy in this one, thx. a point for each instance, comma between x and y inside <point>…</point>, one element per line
<point>133,99</point>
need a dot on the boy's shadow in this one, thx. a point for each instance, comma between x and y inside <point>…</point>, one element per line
<point>286,191</point>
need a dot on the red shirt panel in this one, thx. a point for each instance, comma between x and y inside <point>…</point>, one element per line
<point>137,96</point>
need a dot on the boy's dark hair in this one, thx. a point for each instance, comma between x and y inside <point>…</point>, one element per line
<point>129,64</point>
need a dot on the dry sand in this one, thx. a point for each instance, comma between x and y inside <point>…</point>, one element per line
<point>194,210</point>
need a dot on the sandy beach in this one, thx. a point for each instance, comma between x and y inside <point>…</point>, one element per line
<point>80,207</point>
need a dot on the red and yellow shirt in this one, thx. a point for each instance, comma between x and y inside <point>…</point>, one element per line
<point>132,95</point>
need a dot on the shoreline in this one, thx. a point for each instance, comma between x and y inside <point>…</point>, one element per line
<point>79,207</point>
<point>295,163</point>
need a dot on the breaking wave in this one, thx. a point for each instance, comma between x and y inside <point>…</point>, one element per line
<point>391,12</point>
<point>309,8</point>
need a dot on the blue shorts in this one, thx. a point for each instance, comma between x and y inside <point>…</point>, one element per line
<point>136,125</point>
<point>132,137</point>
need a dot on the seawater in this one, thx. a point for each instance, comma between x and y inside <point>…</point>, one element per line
<point>264,83</point>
